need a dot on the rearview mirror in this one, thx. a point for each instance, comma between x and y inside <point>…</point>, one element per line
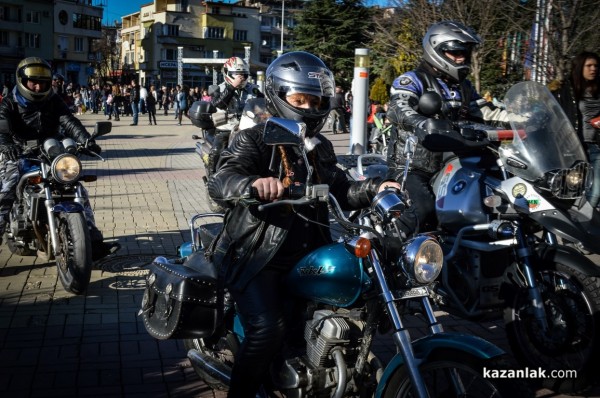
<point>102,128</point>
<point>280,131</point>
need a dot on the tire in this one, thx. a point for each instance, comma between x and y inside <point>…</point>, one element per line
<point>74,259</point>
<point>222,348</point>
<point>572,303</point>
<point>436,371</point>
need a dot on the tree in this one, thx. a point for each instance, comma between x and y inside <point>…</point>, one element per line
<point>332,30</point>
<point>379,91</point>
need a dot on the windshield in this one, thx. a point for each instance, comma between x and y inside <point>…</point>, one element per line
<point>543,137</point>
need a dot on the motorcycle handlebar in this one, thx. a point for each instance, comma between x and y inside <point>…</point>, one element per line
<point>503,135</point>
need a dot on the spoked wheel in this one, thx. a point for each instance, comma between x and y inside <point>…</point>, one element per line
<point>452,374</point>
<point>74,259</point>
<point>221,348</point>
<point>570,343</point>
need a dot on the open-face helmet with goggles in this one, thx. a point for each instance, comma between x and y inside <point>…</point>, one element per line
<point>299,72</point>
<point>454,38</point>
<point>36,70</point>
<point>235,66</point>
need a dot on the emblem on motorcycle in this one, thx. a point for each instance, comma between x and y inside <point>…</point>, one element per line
<point>405,81</point>
<point>307,271</point>
<point>533,202</point>
<point>459,186</point>
<point>519,190</point>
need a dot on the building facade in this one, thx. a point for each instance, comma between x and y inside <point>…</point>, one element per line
<point>155,38</point>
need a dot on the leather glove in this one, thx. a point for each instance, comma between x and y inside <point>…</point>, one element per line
<point>92,146</point>
<point>11,152</point>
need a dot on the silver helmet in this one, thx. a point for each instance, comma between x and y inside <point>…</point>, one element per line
<point>449,36</point>
<point>299,72</point>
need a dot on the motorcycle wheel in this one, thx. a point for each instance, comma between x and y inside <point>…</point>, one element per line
<point>222,348</point>
<point>572,303</point>
<point>439,374</point>
<point>74,259</point>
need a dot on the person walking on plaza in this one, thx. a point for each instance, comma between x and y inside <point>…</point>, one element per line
<point>338,112</point>
<point>182,102</point>
<point>151,105</point>
<point>166,100</point>
<point>579,96</point>
<point>134,99</point>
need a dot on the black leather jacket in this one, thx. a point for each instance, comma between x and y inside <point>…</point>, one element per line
<point>38,121</point>
<point>250,238</point>
<point>460,102</point>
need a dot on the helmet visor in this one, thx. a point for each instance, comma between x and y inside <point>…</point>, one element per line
<point>315,81</point>
<point>37,72</point>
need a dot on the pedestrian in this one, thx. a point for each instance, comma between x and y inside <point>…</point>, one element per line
<point>166,100</point>
<point>182,101</point>
<point>117,100</point>
<point>579,96</point>
<point>175,100</point>
<point>78,102</point>
<point>134,99</point>
<point>338,111</point>
<point>143,95</point>
<point>255,251</point>
<point>444,67</point>
<point>151,105</point>
<point>205,96</point>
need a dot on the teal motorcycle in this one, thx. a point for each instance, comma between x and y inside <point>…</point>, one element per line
<point>366,282</point>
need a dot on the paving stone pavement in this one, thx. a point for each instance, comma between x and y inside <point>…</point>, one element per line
<point>54,344</point>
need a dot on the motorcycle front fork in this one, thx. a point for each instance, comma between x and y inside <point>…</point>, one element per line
<point>524,254</point>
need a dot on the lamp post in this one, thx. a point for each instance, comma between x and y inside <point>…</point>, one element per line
<point>180,66</point>
<point>260,81</point>
<point>360,95</point>
<point>247,54</point>
<point>215,76</point>
<point>282,23</point>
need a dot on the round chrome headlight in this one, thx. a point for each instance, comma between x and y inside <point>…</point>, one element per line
<point>66,168</point>
<point>423,259</point>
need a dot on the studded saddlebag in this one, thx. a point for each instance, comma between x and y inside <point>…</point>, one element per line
<point>180,300</point>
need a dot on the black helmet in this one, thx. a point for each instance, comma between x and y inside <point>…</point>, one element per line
<point>34,68</point>
<point>449,36</point>
<point>58,76</point>
<point>299,72</point>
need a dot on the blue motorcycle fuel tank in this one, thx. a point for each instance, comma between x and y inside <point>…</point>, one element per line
<point>330,275</point>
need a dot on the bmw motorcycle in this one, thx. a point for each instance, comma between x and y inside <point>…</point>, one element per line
<point>502,202</point>
<point>48,216</point>
<point>365,282</point>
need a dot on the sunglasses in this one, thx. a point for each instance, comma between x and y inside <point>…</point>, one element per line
<point>233,74</point>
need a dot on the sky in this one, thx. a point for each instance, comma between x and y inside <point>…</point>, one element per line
<point>115,9</point>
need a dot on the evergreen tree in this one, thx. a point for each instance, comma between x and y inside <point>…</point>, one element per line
<point>332,30</point>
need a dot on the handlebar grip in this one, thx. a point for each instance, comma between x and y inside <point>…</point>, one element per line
<point>504,135</point>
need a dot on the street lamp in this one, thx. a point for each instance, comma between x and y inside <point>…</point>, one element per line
<point>282,20</point>
<point>360,95</point>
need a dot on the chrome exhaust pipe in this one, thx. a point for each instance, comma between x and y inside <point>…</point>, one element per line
<point>211,366</point>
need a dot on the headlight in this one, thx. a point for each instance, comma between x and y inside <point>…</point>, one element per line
<point>423,259</point>
<point>570,183</point>
<point>66,168</point>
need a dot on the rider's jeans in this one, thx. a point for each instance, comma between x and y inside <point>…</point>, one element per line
<point>593,151</point>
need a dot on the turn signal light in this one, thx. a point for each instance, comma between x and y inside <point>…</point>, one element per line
<point>362,248</point>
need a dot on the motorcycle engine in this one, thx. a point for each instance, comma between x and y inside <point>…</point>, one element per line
<point>316,371</point>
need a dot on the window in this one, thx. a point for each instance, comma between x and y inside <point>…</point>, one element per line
<point>78,44</point>
<point>214,33</point>
<point>3,38</point>
<point>32,17</point>
<point>88,22</point>
<point>33,40</point>
<point>240,35</point>
<point>63,43</point>
<point>4,13</point>
<point>171,30</point>
<point>170,54</point>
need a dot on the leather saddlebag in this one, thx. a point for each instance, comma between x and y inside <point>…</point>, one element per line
<point>180,300</point>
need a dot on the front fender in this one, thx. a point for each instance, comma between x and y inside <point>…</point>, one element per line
<point>67,207</point>
<point>428,345</point>
<point>567,256</point>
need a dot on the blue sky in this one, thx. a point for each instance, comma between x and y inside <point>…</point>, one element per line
<point>115,9</point>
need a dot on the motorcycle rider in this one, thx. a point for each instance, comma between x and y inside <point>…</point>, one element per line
<point>256,249</point>
<point>230,96</point>
<point>447,50</point>
<point>33,111</point>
